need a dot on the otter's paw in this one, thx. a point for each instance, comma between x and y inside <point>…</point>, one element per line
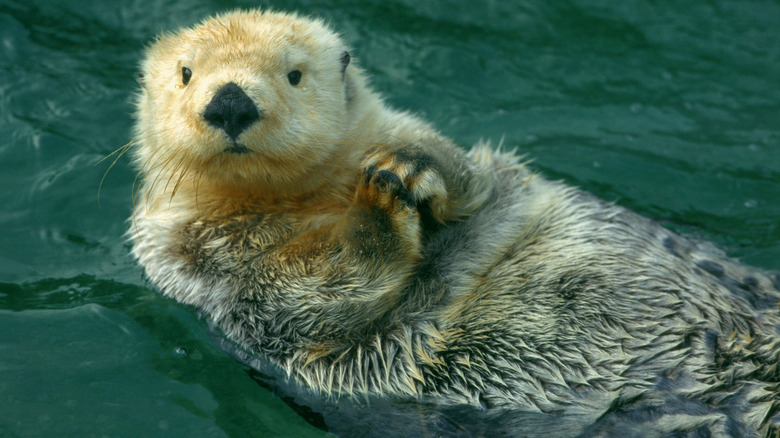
<point>388,213</point>
<point>384,189</point>
<point>420,175</point>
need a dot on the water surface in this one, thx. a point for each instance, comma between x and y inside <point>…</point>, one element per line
<point>671,108</point>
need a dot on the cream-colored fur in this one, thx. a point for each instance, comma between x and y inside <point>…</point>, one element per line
<point>313,135</point>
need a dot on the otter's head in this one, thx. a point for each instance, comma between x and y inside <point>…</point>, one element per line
<point>252,99</point>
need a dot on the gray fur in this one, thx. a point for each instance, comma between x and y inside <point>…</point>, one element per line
<point>545,305</point>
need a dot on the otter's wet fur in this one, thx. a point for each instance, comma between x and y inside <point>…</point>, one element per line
<point>367,256</point>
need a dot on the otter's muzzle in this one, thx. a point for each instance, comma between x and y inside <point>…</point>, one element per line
<point>232,111</point>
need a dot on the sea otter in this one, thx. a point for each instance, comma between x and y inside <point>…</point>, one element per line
<point>365,254</point>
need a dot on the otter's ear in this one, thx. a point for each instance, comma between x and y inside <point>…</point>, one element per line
<point>344,61</point>
<point>141,80</point>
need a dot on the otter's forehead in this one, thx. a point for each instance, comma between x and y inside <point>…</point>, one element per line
<point>259,32</point>
<point>267,41</point>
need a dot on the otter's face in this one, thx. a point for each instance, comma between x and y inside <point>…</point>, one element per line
<point>243,98</point>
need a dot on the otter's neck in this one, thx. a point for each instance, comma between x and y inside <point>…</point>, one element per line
<point>202,194</point>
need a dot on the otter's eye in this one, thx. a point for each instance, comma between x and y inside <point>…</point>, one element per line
<point>294,77</point>
<point>186,74</point>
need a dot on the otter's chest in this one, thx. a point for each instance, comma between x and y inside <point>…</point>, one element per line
<point>230,245</point>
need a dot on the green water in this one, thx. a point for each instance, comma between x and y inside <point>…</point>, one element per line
<point>671,108</point>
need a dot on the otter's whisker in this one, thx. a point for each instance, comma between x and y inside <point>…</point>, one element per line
<point>198,178</point>
<point>119,152</point>
<point>182,175</point>
<point>176,170</point>
<point>159,168</point>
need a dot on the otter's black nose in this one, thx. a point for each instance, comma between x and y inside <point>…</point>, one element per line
<point>231,110</point>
